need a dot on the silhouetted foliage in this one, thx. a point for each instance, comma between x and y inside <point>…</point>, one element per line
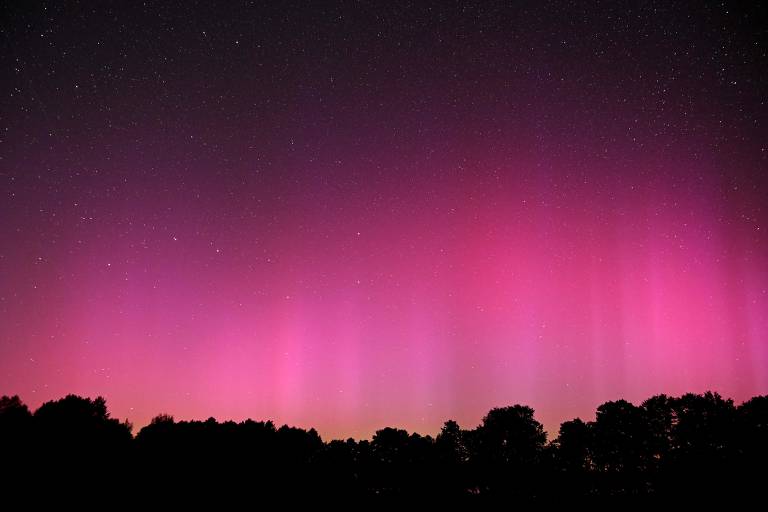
<point>573,446</point>
<point>505,450</point>
<point>14,417</point>
<point>693,445</point>
<point>15,425</point>
<point>452,454</point>
<point>75,425</point>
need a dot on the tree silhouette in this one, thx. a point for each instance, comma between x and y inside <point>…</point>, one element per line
<point>620,438</point>
<point>572,460</point>
<point>396,461</point>
<point>660,419</point>
<point>751,444</point>
<point>14,419</point>
<point>667,447</point>
<point>506,449</point>
<point>573,446</point>
<point>753,428</point>
<point>703,442</point>
<point>80,424</point>
<point>452,455</point>
<point>15,429</point>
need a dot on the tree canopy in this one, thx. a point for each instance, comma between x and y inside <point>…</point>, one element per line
<point>695,443</point>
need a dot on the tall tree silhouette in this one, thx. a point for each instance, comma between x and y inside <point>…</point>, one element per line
<point>752,443</point>
<point>15,429</point>
<point>453,454</point>
<point>14,419</point>
<point>573,446</point>
<point>703,441</point>
<point>572,462</point>
<point>506,449</point>
<point>399,461</point>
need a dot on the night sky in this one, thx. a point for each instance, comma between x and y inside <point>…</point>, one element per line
<point>366,214</point>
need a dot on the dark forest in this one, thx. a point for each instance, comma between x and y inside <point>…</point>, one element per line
<point>695,444</point>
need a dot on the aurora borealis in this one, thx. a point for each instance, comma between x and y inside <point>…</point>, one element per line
<point>362,214</point>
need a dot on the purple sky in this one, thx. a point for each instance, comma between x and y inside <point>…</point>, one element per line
<point>366,215</point>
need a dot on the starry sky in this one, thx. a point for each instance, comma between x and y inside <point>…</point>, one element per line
<point>363,214</point>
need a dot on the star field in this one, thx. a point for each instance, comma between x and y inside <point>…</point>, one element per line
<point>361,214</point>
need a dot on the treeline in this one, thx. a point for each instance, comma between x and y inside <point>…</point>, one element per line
<point>698,445</point>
